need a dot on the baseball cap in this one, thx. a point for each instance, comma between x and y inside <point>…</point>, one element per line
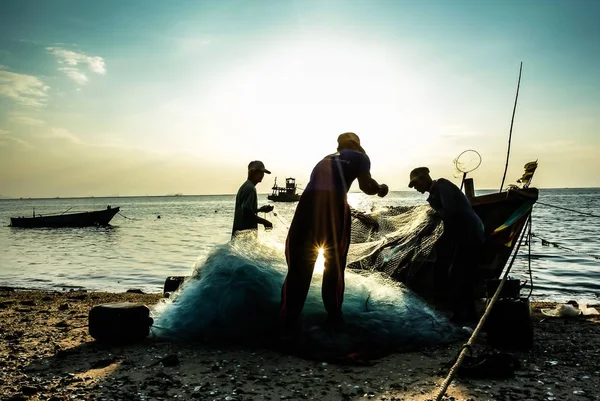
<point>416,174</point>
<point>350,137</point>
<point>257,165</point>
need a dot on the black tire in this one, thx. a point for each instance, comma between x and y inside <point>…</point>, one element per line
<point>172,283</point>
<point>119,322</point>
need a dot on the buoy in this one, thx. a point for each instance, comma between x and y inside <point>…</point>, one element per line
<point>119,322</point>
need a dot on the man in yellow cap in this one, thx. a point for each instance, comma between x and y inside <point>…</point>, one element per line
<point>463,229</point>
<point>322,221</point>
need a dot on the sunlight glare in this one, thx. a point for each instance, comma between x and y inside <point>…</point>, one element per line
<point>320,263</point>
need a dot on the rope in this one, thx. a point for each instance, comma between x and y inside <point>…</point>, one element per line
<point>468,345</point>
<point>529,259</point>
<point>570,210</point>
<point>130,218</point>
<point>286,225</point>
<point>556,245</point>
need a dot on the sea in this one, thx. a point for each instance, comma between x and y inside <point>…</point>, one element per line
<point>152,238</point>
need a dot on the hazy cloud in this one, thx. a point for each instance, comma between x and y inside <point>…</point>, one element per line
<point>63,134</point>
<point>71,63</point>
<point>7,140</point>
<point>26,120</point>
<point>24,89</point>
<point>75,75</point>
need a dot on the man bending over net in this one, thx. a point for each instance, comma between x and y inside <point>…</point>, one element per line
<point>462,228</point>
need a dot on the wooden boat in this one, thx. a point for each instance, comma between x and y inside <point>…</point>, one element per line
<point>285,194</point>
<point>82,219</point>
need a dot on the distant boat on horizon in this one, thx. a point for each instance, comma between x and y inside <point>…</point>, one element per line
<point>285,194</point>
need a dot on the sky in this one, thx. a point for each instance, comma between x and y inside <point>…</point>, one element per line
<point>125,98</point>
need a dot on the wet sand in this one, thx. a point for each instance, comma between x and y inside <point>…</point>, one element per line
<point>46,353</point>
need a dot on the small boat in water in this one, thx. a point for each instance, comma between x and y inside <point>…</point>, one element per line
<point>285,194</point>
<point>81,219</point>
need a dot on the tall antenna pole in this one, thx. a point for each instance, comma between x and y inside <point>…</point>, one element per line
<point>511,127</point>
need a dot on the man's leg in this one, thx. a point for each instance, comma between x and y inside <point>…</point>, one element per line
<point>336,254</point>
<point>462,282</point>
<point>301,262</point>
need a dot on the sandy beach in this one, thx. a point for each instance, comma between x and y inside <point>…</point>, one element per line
<point>46,353</point>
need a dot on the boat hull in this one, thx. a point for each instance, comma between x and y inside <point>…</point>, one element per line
<point>284,198</point>
<point>84,219</point>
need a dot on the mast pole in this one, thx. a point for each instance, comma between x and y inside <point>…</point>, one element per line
<point>511,127</point>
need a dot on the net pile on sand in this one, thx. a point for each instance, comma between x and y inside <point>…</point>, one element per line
<point>234,295</point>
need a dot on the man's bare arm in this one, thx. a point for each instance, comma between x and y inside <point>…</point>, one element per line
<point>371,187</point>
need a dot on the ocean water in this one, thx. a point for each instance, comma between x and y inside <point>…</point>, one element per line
<point>140,250</point>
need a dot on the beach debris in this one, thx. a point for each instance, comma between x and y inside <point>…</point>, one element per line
<point>570,309</point>
<point>167,361</point>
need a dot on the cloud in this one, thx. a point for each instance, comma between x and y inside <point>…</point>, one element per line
<point>7,140</point>
<point>63,134</point>
<point>26,120</point>
<point>71,62</point>
<point>24,89</point>
<point>75,75</point>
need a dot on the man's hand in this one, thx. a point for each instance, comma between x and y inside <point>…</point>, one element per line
<point>383,190</point>
<point>268,225</point>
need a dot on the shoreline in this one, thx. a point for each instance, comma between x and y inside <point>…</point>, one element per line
<point>46,353</point>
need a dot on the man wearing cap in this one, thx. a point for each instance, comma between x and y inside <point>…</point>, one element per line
<point>322,221</point>
<point>246,201</point>
<point>463,228</point>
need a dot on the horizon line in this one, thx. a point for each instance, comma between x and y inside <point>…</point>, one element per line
<point>230,194</point>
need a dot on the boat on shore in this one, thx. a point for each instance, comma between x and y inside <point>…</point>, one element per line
<point>80,219</point>
<point>285,194</point>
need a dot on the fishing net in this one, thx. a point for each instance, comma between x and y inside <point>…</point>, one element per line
<point>396,241</point>
<point>234,295</point>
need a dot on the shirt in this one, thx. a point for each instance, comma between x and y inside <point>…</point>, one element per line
<point>246,207</point>
<point>338,171</point>
<point>455,209</point>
